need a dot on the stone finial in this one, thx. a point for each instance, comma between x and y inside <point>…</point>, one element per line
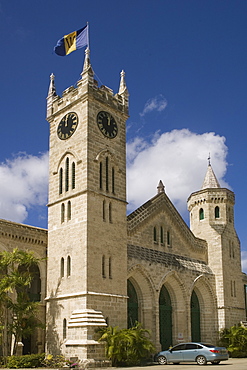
<point>87,65</point>
<point>122,85</point>
<point>52,88</point>
<point>123,91</point>
<point>161,187</point>
<point>51,95</point>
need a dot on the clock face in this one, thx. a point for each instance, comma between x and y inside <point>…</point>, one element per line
<point>67,126</point>
<point>107,124</point>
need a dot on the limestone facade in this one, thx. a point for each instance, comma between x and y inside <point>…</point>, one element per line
<point>104,268</point>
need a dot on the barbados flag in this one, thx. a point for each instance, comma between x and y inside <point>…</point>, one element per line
<point>71,42</point>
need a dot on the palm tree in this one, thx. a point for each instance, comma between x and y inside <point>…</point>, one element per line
<point>17,313</point>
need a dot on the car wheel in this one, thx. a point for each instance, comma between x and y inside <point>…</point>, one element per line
<point>215,362</point>
<point>162,360</point>
<point>201,360</point>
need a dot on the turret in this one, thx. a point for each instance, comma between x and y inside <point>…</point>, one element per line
<point>212,205</point>
<point>211,218</point>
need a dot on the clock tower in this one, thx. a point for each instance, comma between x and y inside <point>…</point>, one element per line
<point>87,246</point>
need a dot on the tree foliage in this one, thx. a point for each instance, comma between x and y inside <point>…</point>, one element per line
<point>127,347</point>
<point>235,340</point>
<point>18,315</point>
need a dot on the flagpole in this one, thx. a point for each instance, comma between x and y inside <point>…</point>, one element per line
<point>88,36</point>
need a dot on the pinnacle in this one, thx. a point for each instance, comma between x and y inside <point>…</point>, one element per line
<point>210,180</point>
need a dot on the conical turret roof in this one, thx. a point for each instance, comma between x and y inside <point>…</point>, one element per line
<point>210,180</point>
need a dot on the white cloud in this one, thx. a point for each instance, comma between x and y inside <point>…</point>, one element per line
<point>244,261</point>
<point>158,103</point>
<point>23,184</point>
<point>179,159</point>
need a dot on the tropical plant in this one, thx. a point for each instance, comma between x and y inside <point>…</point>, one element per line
<point>235,340</point>
<point>18,315</point>
<point>127,347</point>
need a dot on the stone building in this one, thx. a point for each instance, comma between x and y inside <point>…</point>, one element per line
<point>104,268</point>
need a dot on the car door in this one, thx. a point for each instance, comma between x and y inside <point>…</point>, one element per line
<point>190,352</point>
<point>176,353</point>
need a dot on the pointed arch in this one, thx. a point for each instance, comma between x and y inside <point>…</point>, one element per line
<point>207,301</point>
<point>69,153</point>
<point>165,318</point>
<point>133,306</point>
<point>195,318</point>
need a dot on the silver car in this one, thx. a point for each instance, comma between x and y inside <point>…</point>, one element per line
<point>193,352</point>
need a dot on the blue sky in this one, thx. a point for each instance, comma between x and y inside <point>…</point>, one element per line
<point>185,64</point>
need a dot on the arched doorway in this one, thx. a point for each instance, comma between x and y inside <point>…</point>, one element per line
<point>132,305</point>
<point>165,317</point>
<point>195,318</point>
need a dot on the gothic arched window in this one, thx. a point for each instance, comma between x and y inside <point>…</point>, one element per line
<point>100,176</point>
<point>113,179</point>
<point>106,174</point>
<point>69,210</point>
<point>168,238</point>
<point>155,234</point>
<point>67,175</point>
<point>73,175</point>
<point>103,266</point>
<point>64,328</point>
<point>201,214</point>
<point>62,212</point>
<point>110,212</point>
<point>217,212</point>
<point>62,267</point>
<point>110,268</point>
<point>68,266</point>
<point>60,181</point>
<point>161,235</point>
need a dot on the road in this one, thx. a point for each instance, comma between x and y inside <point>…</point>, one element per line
<point>231,364</point>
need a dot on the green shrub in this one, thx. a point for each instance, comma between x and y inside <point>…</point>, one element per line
<point>127,347</point>
<point>235,340</point>
<point>26,361</point>
<point>54,361</point>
